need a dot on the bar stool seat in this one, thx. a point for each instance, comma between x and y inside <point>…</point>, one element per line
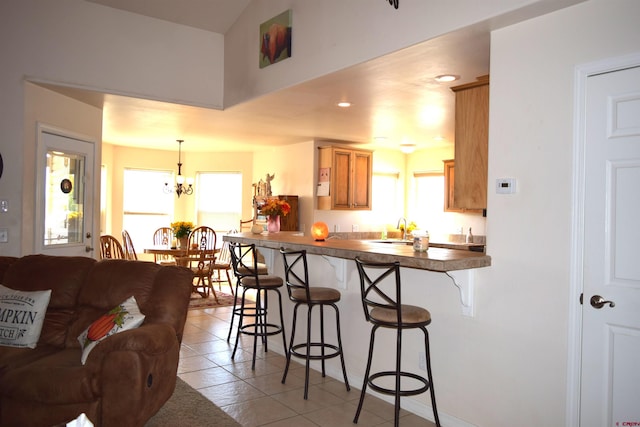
<point>297,280</point>
<point>319,295</point>
<point>411,315</point>
<point>381,300</point>
<point>246,269</point>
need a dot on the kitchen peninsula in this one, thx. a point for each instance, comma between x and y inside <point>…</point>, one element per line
<point>435,259</point>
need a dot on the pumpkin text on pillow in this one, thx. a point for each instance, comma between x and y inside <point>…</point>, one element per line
<point>122,317</point>
<point>21,316</point>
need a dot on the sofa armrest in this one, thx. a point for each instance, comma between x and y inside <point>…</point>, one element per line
<point>140,364</point>
<point>148,338</point>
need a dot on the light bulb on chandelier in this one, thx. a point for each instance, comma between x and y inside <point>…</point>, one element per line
<point>180,187</point>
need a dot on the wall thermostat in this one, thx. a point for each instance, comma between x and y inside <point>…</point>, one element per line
<point>505,185</point>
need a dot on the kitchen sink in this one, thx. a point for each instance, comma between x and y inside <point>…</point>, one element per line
<point>474,247</point>
<point>394,241</point>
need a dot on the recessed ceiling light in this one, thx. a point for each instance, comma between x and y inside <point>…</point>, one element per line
<point>446,78</point>
<point>344,104</point>
<point>407,148</point>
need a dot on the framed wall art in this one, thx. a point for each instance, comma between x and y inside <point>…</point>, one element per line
<point>275,39</point>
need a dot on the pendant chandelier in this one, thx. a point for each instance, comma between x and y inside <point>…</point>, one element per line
<point>180,187</point>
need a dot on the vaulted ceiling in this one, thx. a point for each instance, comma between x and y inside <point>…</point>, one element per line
<point>395,98</point>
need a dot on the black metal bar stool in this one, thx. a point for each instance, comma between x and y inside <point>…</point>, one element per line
<point>247,271</point>
<point>261,270</point>
<point>297,279</point>
<point>380,290</point>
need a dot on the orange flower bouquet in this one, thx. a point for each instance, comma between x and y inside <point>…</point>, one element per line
<point>275,207</point>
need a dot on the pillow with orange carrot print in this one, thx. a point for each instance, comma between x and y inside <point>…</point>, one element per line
<point>122,317</point>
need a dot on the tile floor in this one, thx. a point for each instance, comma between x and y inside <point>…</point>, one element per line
<point>258,398</point>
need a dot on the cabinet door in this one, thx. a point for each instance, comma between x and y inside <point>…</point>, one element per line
<point>449,196</point>
<point>471,146</point>
<point>350,178</point>
<point>341,179</point>
<point>449,180</point>
<point>361,180</point>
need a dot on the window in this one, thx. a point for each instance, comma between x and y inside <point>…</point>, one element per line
<point>219,200</point>
<point>428,200</point>
<point>386,196</point>
<point>146,206</point>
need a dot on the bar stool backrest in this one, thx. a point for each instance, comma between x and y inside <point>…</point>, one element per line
<point>296,272</point>
<point>380,287</point>
<point>243,259</point>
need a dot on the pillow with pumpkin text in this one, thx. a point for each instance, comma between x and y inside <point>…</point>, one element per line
<point>122,317</point>
<point>22,316</point>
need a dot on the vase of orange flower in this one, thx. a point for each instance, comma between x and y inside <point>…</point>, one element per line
<point>274,209</point>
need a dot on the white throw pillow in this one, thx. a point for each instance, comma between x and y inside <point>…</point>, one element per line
<point>123,317</point>
<point>22,316</point>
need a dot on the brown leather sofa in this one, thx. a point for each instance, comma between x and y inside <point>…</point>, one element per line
<point>128,376</point>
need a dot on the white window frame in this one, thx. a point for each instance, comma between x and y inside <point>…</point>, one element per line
<point>221,207</point>
<point>157,206</point>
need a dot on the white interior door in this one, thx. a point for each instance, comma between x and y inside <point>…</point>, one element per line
<point>610,377</point>
<point>64,194</point>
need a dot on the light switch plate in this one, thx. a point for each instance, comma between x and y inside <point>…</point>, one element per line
<point>4,206</point>
<point>4,235</point>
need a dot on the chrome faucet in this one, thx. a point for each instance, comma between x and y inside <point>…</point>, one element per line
<point>404,230</point>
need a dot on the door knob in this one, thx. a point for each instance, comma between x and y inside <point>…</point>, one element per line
<point>88,248</point>
<point>598,302</point>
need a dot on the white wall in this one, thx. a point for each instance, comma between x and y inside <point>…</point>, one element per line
<point>522,299</point>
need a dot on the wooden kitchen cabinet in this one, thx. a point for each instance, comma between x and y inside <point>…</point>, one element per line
<point>471,144</point>
<point>450,204</point>
<point>349,178</point>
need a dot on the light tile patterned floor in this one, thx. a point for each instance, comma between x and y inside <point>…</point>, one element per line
<point>258,398</point>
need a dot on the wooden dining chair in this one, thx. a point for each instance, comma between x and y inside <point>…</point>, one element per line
<point>110,248</point>
<point>201,256</point>
<point>163,236</point>
<point>245,225</point>
<point>223,264</point>
<point>127,245</point>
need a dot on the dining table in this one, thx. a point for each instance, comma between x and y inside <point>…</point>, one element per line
<point>166,250</point>
<point>179,254</point>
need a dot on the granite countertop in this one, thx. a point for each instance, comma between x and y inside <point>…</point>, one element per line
<point>435,259</point>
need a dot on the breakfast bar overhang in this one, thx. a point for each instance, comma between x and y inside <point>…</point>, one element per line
<point>435,259</point>
<point>457,264</point>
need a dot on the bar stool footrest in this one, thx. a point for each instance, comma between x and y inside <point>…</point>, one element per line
<point>249,311</point>
<point>249,329</point>
<point>336,351</point>
<point>392,391</point>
